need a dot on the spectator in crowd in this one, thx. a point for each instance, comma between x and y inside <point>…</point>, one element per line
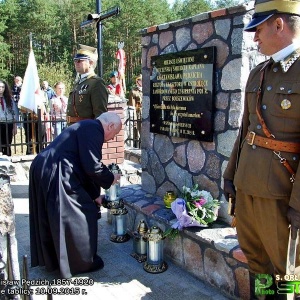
<point>135,100</point>
<point>49,94</point>
<point>16,89</point>
<point>114,86</point>
<point>58,108</point>
<point>8,116</point>
<point>262,171</point>
<point>64,192</point>
<point>89,96</point>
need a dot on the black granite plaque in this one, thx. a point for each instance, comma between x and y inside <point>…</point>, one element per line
<point>181,94</point>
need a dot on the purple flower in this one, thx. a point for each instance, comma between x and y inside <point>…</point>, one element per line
<point>183,219</point>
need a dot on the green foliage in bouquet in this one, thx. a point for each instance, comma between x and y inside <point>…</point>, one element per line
<point>200,204</point>
<point>194,208</point>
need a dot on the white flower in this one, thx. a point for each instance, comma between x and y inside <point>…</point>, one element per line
<point>186,189</point>
<point>206,195</point>
<point>195,194</point>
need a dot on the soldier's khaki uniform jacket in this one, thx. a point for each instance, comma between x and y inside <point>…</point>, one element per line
<point>88,99</point>
<point>259,171</point>
<point>135,100</point>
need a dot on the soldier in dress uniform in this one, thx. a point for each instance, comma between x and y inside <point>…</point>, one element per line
<point>262,170</point>
<point>89,97</point>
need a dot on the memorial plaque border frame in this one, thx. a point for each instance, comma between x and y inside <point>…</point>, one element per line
<point>172,78</point>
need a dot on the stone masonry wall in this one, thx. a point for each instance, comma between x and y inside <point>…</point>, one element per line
<point>168,163</point>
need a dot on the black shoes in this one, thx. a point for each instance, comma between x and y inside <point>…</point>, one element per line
<point>98,264</point>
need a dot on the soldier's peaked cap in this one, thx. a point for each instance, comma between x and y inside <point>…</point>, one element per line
<point>265,9</point>
<point>86,52</point>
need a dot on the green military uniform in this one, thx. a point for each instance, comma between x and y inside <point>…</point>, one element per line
<point>135,100</point>
<point>264,189</point>
<point>88,99</point>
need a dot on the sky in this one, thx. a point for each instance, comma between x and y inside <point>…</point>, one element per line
<point>171,1</point>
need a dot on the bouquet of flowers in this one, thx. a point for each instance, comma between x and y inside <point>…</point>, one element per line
<point>195,208</point>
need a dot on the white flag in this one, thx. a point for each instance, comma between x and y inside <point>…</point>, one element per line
<point>31,97</point>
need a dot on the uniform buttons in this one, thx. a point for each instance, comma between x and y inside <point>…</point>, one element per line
<point>264,106</point>
<point>289,91</point>
<point>253,147</point>
<point>275,69</point>
<point>294,158</point>
<point>258,126</point>
<point>269,88</point>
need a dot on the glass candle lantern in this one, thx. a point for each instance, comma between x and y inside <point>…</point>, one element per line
<point>155,251</point>
<point>113,193</point>
<point>119,224</point>
<point>140,242</point>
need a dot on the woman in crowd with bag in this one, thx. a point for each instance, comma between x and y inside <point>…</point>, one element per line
<point>8,114</point>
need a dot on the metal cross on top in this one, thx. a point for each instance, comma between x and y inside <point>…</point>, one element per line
<point>97,18</point>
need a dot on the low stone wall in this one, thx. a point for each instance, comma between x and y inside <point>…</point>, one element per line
<point>211,254</point>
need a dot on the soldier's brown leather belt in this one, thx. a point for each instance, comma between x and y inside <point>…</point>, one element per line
<point>75,119</point>
<point>253,139</point>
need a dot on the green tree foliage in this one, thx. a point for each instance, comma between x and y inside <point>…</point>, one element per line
<point>186,8</point>
<point>135,15</point>
<point>56,32</point>
<point>227,3</point>
<point>5,12</point>
<point>57,71</point>
<point>190,8</point>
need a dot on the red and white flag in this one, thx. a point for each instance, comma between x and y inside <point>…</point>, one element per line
<point>120,55</point>
<point>31,97</point>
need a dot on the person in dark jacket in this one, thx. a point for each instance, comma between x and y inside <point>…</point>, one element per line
<point>16,88</point>
<point>64,194</point>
